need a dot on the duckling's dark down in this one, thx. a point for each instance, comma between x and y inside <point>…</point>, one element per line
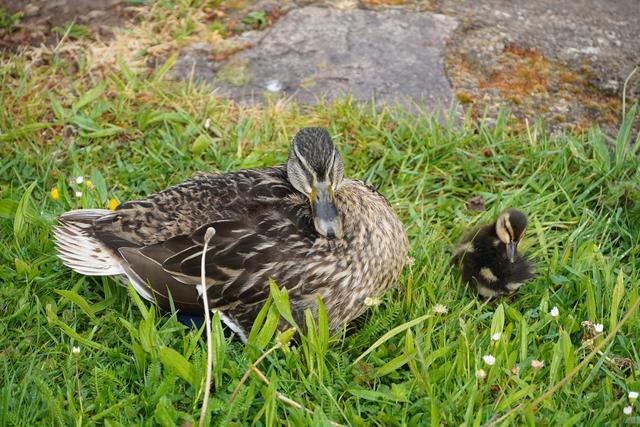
<point>300,224</point>
<point>489,259</point>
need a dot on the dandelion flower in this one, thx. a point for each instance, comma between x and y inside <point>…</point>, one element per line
<point>633,395</point>
<point>537,364</point>
<point>89,184</point>
<point>599,327</point>
<point>75,351</point>
<point>55,194</point>
<point>554,312</point>
<point>489,359</point>
<point>78,194</point>
<point>440,309</point>
<point>113,204</point>
<point>496,336</point>
<point>481,374</point>
<point>80,180</point>
<point>627,410</point>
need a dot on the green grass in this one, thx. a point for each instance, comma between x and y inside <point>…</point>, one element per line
<point>133,135</point>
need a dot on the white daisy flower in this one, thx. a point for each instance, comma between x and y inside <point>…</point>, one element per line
<point>599,327</point>
<point>440,309</point>
<point>78,194</point>
<point>80,180</point>
<point>633,395</point>
<point>496,336</point>
<point>537,364</point>
<point>75,351</point>
<point>554,312</point>
<point>481,374</point>
<point>489,359</point>
<point>207,123</point>
<point>627,410</point>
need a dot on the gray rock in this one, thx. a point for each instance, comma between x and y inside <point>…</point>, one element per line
<point>393,56</point>
<point>600,35</point>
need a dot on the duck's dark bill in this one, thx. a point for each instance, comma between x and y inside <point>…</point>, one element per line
<point>325,213</point>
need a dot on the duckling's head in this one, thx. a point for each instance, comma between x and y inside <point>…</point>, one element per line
<point>510,228</point>
<point>315,169</point>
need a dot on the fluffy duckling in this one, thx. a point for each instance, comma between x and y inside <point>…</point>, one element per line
<point>489,258</point>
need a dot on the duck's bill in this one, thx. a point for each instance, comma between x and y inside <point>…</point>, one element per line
<point>512,248</point>
<point>325,213</point>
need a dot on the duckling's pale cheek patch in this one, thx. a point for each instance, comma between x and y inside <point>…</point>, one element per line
<point>488,275</point>
<point>503,234</point>
<point>507,223</point>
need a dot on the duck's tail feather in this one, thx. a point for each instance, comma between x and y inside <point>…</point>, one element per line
<point>79,249</point>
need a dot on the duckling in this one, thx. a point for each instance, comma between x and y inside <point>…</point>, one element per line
<point>489,258</point>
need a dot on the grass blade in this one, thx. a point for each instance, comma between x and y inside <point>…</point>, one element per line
<point>392,333</point>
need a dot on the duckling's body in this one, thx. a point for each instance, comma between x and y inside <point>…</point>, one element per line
<point>488,256</point>
<point>341,241</point>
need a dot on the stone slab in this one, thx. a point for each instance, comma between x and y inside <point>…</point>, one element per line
<point>313,53</point>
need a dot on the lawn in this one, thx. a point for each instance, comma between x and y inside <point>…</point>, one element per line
<point>402,363</point>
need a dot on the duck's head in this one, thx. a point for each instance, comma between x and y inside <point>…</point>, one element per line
<point>315,169</point>
<point>510,228</point>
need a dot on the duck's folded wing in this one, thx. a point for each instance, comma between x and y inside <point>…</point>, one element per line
<point>147,272</point>
<point>240,258</point>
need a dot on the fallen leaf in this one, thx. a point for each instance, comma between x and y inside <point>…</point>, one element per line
<point>476,204</point>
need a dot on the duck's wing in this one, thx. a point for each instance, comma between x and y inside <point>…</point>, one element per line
<point>240,258</point>
<point>465,245</point>
<point>183,208</point>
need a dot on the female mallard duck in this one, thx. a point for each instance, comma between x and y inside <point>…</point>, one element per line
<point>489,257</point>
<point>300,224</point>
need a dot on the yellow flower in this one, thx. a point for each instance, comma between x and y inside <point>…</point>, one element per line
<point>113,204</point>
<point>55,194</point>
<point>89,184</point>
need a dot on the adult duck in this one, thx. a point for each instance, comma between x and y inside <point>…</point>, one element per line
<point>301,224</point>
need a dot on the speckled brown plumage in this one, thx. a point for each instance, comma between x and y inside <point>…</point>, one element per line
<point>264,229</point>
